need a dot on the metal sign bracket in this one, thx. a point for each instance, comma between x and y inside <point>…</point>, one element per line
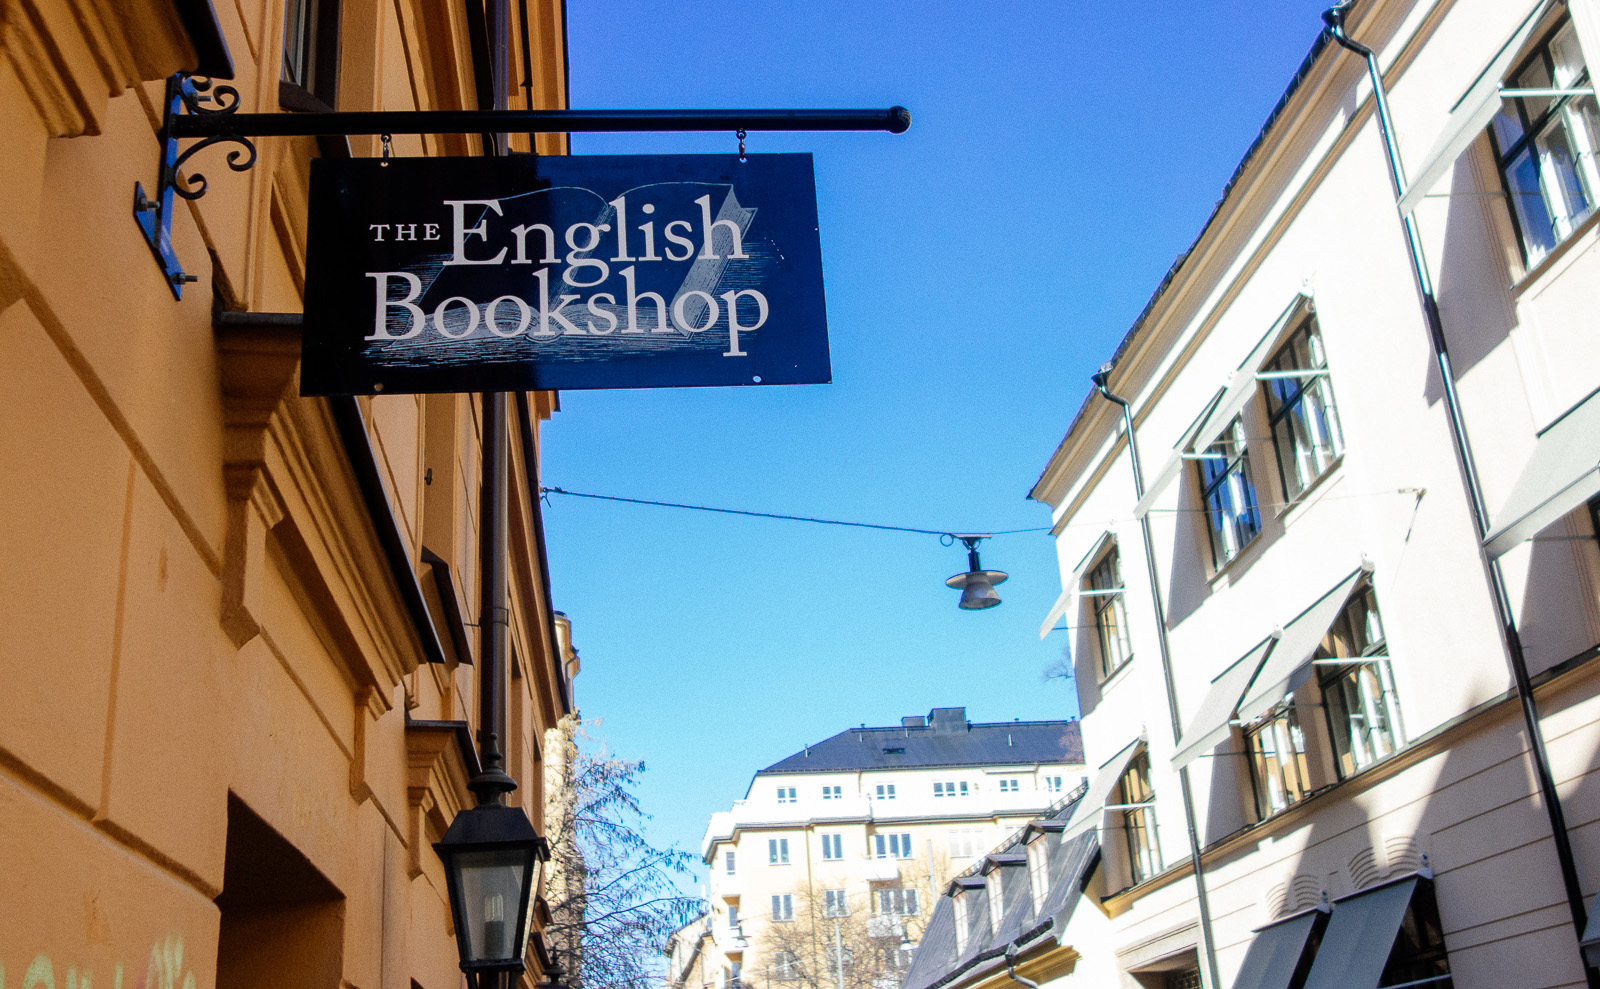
<point>213,118</point>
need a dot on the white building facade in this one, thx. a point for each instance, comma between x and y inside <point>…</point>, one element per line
<point>864,828</point>
<point>1317,645</point>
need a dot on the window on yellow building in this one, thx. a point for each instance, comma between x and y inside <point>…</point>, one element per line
<point>309,76</point>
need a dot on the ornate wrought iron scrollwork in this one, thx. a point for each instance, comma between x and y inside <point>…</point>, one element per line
<point>199,96</point>
<point>196,92</point>
<point>238,160</point>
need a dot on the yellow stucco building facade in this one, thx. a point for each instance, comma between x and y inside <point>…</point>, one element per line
<point>237,627</point>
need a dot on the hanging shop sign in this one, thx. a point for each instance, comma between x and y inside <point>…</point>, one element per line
<point>524,272</point>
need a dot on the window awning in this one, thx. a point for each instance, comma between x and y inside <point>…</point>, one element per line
<point>1068,598</point>
<point>1289,664</point>
<point>1360,936</point>
<point>1562,474</point>
<point>1209,726</point>
<point>1472,113</point>
<point>1074,588</point>
<point>1174,466</point>
<point>1281,952</point>
<point>1228,403</point>
<point>1093,803</point>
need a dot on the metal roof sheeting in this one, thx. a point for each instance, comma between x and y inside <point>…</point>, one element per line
<point>945,743</point>
<point>1070,863</point>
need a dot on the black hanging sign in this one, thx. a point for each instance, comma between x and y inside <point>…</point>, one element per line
<point>523,272</point>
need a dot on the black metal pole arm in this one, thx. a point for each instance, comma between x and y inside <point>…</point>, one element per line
<point>895,120</point>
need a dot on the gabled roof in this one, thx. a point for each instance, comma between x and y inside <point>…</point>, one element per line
<point>944,738</point>
<point>1070,863</point>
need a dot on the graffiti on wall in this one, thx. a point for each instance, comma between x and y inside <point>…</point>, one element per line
<point>163,970</point>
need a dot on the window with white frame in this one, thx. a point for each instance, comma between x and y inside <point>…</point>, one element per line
<point>1052,784</point>
<point>832,847</point>
<point>1232,512</point>
<point>950,789</point>
<point>733,915</point>
<point>964,844</point>
<point>834,903</point>
<point>885,791</point>
<point>1357,688</point>
<point>896,902</point>
<point>786,795</point>
<point>892,846</point>
<point>1038,851</point>
<point>1135,804</point>
<point>785,966</point>
<point>1300,409</point>
<point>958,904</point>
<point>1010,786</point>
<point>782,906</point>
<point>997,903</point>
<point>727,862</point>
<point>1278,765</point>
<point>777,851</point>
<point>833,793</point>
<point>1545,144</point>
<point>1103,587</point>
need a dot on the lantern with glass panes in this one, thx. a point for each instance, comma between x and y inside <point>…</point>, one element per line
<point>492,862</point>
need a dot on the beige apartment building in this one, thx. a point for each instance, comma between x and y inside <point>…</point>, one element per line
<point>859,831</point>
<point>1298,672</point>
<point>238,628</point>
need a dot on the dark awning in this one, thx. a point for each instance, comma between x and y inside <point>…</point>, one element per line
<point>1360,936</point>
<point>1562,474</point>
<point>1281,952</point>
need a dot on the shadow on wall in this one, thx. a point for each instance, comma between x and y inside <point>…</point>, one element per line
<point>1474,290</point>
<point>282,920</point>
<point>1488,843</point>
<point>1556,621</point>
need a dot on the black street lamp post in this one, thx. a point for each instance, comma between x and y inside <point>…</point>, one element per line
<point>493,858</point>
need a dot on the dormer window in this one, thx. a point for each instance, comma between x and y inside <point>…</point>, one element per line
<point>997,903</point>
<point>959,903</point>
<point>1038,871</point>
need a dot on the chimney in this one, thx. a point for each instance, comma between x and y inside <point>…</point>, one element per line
<point>948,719</point>
<point>914,721</point>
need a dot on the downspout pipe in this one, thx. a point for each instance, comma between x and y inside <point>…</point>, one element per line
<point>1212,978</point>
<point>1011,969</point>
<point>1334,18</point>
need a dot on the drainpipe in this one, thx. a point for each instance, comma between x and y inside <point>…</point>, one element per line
<point>1011,969</point>
<point>1510,638</point>
<point>1213,979</point>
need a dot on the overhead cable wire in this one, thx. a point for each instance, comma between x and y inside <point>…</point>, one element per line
<point>942,533</point>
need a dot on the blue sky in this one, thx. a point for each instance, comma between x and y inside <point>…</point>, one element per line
<point>978,269</point>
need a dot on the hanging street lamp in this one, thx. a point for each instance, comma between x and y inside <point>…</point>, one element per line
<point>493,860</point>
<point>977,584</point>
